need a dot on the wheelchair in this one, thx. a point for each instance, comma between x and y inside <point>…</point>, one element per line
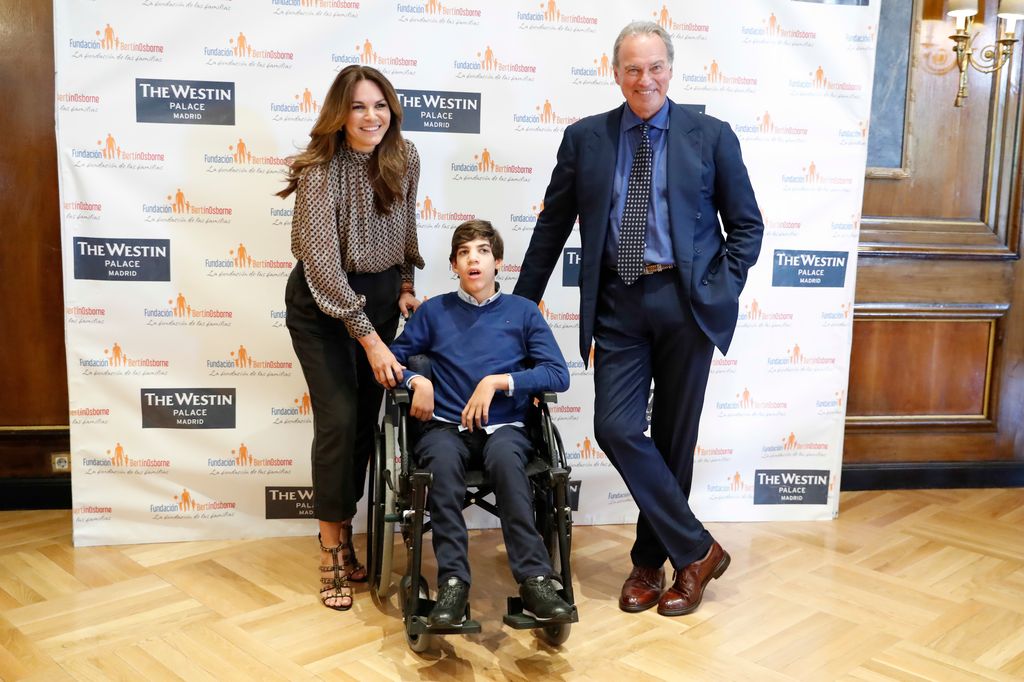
<point>397,495</point>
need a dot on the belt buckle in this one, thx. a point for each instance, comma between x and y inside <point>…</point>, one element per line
<point>652,268</point>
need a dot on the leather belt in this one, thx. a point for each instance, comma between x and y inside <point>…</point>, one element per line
<point>652,268</point>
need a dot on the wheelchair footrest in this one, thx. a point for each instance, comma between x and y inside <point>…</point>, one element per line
<point>518,620</point>
<point>419,624</point>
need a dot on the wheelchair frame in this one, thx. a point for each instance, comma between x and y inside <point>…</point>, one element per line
<point>397,494</point>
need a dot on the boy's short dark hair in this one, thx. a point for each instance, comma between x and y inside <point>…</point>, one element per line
<point>477,229</point>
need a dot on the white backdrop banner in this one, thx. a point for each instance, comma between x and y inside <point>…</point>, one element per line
<point>189,414</point>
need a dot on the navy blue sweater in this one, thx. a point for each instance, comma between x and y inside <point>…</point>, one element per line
<point>465,343</point>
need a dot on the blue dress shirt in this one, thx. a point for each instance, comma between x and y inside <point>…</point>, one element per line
<point>658,240</point>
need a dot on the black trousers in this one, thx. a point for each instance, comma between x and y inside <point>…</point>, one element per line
<point>646,331</point>
<point>343,393</point>
<point>446,454</point>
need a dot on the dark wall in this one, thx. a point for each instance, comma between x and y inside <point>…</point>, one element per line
<point>33,380</point>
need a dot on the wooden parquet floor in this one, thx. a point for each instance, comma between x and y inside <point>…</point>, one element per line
<point>905,585</point>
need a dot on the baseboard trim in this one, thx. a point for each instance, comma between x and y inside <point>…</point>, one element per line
<point>35,493</point>
<point>915,475</point>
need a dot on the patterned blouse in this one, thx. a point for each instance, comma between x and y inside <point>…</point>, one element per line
<point>336,230</point>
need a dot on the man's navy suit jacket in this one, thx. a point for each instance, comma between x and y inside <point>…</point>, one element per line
<point>705,177</point>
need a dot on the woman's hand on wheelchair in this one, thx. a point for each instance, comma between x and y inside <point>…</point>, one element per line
<point>407,304</point>
<point>386,368</point>
<point>422,406</point>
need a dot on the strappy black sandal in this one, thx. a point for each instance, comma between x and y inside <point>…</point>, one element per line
<point>334,585</point>
<point>356,571</point>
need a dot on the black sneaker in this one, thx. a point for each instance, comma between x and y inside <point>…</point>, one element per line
<point>541,600</point>
<point>450,608</point>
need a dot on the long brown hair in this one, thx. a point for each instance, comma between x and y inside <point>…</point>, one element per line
<point>388,159</point>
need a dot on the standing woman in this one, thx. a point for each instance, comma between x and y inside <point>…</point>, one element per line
<point>354,237</point>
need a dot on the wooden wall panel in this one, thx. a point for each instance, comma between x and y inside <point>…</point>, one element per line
<point>33,381</point>
<point>940,283</point>
<point>945,147</point>
<point>920,368</point>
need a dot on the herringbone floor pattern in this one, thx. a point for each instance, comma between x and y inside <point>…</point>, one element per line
<point>905,585</point>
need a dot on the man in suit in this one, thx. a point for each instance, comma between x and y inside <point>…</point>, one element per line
<point>659,290</point>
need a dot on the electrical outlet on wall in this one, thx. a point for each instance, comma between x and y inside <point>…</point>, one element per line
<point>60,462</point>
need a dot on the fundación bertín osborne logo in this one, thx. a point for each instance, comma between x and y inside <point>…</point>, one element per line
<point>369,54</point>
<point>818,84</point>
<point>91,414</point>
<point>116,361</point>
<point>486,168</point>
<point>556,319</point>
<point>239,262</point>
<point>108,44</point>
<point>317,8</point>
<point>84,314</point>
<point>184,101</point>
<point>734,487</point>
<point>241,52</point>
<point>598,73</point>
<point>755,315</point>
<point>747,404</point>
<point>243,462</point>
<point>797,360</point>
<point>771,32</point>
<point>430,217</point>
<point>181,312</point>
<point>122,259</point>
<point>181,208</point>
<point>109,153</point>
<point>78,102</point>
<point>118,461</point>
<point>241,362</point>
<point>487,66</point>
<point>525,222</point>
<point>300,411</point>
<point>767,128</point>
<point>587,454</point>
<point>550,17</point>
<point>239,158</point>
<point>542,119</point>
<point>812,179</point>
<point>837,317</point>
<point>436,12</point>
<point>187,505</point>
<point>82,210</point>
<point>302,106</point>
<point>711,455</point>
<point>686,30</point>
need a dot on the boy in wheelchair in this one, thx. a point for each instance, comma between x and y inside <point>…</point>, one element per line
<point>489,353</point>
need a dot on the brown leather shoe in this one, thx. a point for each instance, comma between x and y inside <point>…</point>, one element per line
<point>688,587</point>
<point>642,589</point>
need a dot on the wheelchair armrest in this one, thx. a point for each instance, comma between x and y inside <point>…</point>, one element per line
<point>549,397</point>
<point>401,396</point>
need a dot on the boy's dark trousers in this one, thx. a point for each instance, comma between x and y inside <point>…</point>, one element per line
<point>446,453</point>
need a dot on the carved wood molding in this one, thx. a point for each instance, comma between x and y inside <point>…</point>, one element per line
<point>995,233</point>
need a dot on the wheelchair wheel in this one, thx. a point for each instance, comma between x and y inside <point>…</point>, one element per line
<point>555,635</point>
<point>381,502</point>
<point>418,643</point>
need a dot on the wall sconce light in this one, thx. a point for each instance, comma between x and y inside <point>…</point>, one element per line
<point>991,58</point>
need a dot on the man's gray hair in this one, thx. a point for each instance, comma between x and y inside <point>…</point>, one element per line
<point>643,28</point>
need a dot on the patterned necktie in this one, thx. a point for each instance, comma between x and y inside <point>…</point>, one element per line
<point>633,228</point>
